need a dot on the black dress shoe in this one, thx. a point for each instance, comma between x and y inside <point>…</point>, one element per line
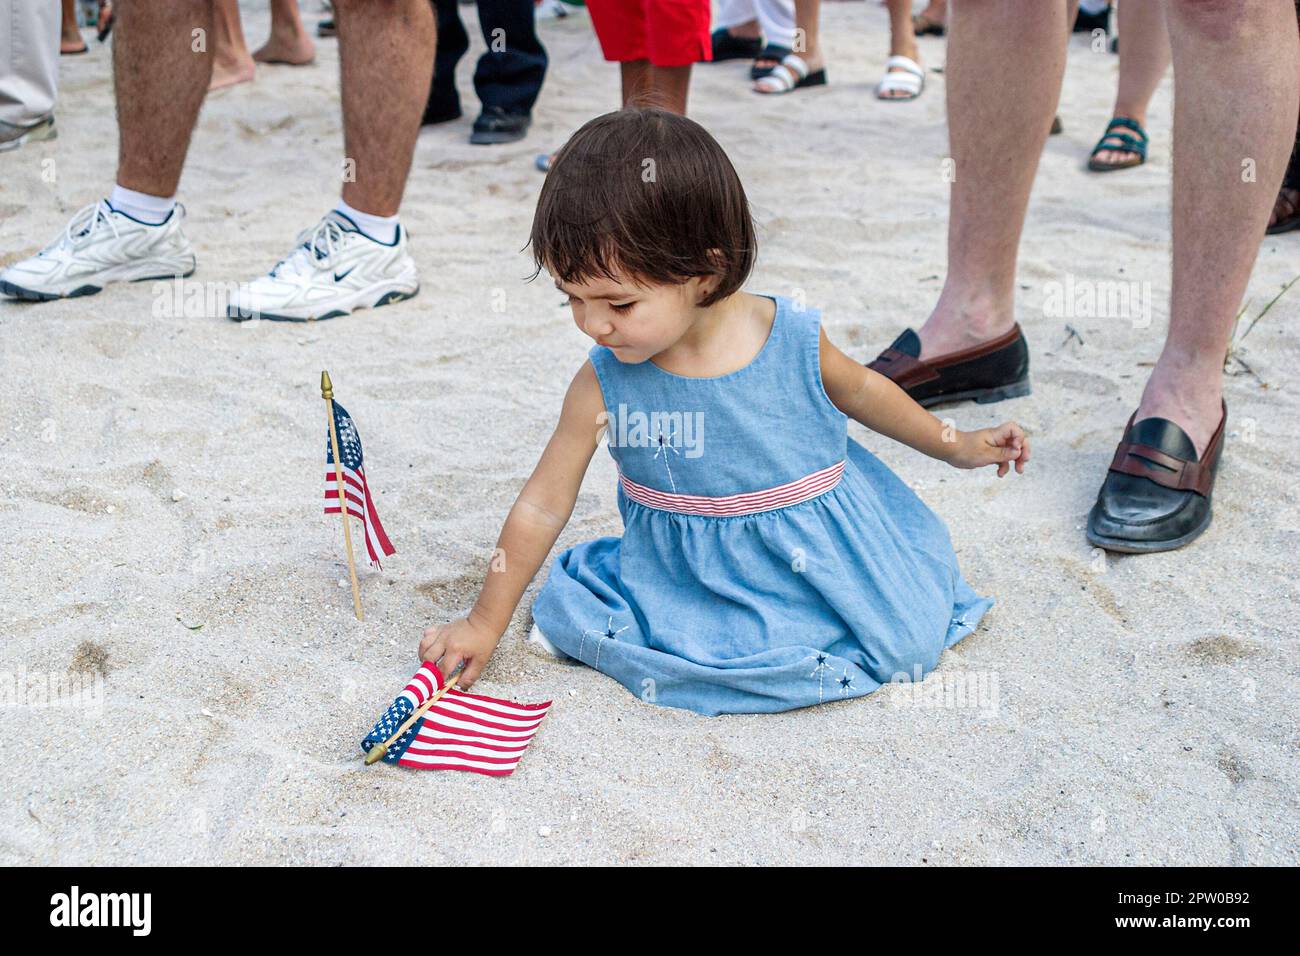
<point>988,372</point>
<point>495,125</point>
<point>1157,495</point>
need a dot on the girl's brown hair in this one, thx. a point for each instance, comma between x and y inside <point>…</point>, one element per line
<point>647,194</point>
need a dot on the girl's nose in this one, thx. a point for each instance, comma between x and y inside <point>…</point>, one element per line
<point>596,327</point>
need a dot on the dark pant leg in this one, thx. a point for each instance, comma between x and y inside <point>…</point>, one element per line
<point>510,73</point>
<point>453,41</point>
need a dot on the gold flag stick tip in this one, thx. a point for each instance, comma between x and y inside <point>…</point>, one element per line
<point>376,753</point>
<point>326,386</point>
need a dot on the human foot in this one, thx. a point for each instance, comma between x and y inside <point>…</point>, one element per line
<point>768,59</point>
<point>230,72</point>
<point>71,43</point>
<point>989,371</point>
<point>334,269</point>
<point>932,19</point>
<point>1194,406</point>
<point>904,76</point>
<point>736,43</point>
<point>971,323</point>
<point>100,245</point>
<point>1124,145</point>
<point>294,49</point>
<point>792,73</point>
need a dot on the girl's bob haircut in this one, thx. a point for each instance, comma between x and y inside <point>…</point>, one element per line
<point>647,196</point>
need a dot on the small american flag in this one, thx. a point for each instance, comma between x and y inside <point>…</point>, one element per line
<point>360,504</point>
<point>459,732</point>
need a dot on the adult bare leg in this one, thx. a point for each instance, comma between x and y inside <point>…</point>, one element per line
<point>231,61</point>
<point>289,41</point>
<point>385,50</point>
<point>1144,56</point>
<point>997,131</point>
<point>159,82</point>
<point>1237,83</point>
<point>70,39</point>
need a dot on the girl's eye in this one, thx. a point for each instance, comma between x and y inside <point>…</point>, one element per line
<point>625,307</point>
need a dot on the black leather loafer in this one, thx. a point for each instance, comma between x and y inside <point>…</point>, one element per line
<point>988,372</point>
<point>495,125</point>
<point>1157,495</point>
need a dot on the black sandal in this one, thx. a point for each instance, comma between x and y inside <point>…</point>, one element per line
<point>729,47</point>
<point>1290,183</point>
<point>923,25</point>
<point>772,51</point>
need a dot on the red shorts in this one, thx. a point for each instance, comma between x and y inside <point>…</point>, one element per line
<point>665,32</point>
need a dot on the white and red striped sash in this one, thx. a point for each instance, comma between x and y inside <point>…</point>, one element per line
<point>748,503</point>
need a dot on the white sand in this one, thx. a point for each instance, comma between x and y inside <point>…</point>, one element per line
<point>1145,709</point>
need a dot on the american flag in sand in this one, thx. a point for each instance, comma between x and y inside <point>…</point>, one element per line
<point>459,732</point>
<point>360,504</point>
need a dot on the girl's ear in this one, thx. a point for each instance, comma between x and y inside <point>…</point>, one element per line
<point>704,286</point>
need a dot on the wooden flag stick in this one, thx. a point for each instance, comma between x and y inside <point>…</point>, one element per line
<point>377,753</point>
<point>327,393</point>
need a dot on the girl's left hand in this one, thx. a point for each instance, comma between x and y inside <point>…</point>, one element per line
<point>1001,446</point>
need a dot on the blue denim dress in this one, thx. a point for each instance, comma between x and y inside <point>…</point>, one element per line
<point>767,562</point>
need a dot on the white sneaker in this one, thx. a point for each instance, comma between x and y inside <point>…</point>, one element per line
<point>101,245</point>
<point>334,269</point>
<point>540,641</point>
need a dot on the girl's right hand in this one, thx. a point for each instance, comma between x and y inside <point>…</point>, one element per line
<point>464,641</point>
<point>1005,446</point>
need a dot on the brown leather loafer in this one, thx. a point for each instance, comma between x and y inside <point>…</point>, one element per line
<point>984,373</point>
<point>1157,495</point>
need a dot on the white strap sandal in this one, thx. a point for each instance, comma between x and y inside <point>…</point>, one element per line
<point>791,74</point>
<point>903,75</point>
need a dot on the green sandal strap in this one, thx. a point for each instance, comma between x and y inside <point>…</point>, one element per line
<point>1127,123</point>
<point>1123,142</point>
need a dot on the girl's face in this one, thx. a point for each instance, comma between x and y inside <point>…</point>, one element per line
<point>635,322</point>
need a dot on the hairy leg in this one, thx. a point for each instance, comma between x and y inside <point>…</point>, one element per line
<point>159,81</point>
<point>636,78</point>
<point>1237,92</point>
<point>997,130</point>
<point>671,85</point>
<point>385,51</point>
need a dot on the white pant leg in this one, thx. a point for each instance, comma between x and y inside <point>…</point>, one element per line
<point>733,12</point>
<point>776,17</point>
<point>29,59</point>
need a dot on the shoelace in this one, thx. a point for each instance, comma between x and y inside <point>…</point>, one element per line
<point>315,247</point>
<point>84,224</point>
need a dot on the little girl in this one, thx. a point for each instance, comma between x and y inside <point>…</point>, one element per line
<point>768,562</point>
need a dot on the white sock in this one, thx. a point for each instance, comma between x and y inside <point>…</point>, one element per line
<point>379,228</point>
<point>153,210</point>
